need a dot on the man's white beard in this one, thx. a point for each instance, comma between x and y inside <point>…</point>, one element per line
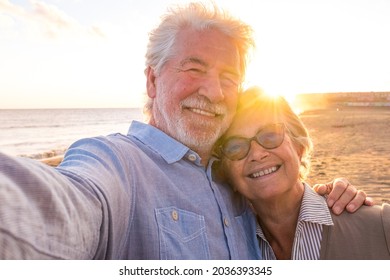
<point>197,139</point>
<point>200,136</point>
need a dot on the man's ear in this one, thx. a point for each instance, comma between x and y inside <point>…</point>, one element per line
<point>150,82</point>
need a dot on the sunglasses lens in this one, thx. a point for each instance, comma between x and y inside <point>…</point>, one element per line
<point>271,136</point>
<point>235,148</point>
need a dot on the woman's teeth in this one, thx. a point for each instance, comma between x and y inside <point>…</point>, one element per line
<point>264,172</point>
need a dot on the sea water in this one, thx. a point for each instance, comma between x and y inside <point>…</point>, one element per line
<point>41,133</point>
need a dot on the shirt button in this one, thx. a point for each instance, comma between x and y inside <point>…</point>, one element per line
<point>191,157</point>
<point>175,215</point>
<point>226,222</point>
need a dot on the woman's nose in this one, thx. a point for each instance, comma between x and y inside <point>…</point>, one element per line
<point>257,152</point>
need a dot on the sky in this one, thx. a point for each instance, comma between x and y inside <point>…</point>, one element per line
<point>90,53</point>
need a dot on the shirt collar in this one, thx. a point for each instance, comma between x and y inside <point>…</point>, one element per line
<point>169,149</point>
<point>314,208</point>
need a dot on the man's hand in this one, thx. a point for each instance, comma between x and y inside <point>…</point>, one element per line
<point>342,195</point>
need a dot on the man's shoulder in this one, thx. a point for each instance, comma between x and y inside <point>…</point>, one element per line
<point>366,218</point>
<point>360,235</point>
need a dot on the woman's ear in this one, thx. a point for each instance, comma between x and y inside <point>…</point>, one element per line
<point>299,150</point>
<point>300,153</point>
<point>297,147</point>
<point>150,82</point>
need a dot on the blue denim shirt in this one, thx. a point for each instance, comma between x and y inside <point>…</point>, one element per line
<point>143,196</point>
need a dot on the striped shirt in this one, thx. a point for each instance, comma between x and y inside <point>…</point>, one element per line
<point>314,213</point>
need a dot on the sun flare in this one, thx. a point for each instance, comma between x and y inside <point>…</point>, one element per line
<point>273,85</point>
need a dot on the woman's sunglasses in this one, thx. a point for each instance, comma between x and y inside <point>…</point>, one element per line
<point>269,137</point>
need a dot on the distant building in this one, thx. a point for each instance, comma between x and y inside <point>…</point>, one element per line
<point>338,99</point>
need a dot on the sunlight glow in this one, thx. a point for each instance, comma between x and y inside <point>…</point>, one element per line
<point>271,86</point>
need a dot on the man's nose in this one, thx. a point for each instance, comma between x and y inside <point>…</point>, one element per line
<point>211,88</point>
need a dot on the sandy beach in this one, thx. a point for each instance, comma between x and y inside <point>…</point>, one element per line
<point>353,143</point>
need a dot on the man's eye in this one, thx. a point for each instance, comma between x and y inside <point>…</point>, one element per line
<point>195,70</point>
<point>230,81</point>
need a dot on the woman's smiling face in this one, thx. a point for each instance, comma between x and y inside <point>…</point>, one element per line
<point>263,173</point>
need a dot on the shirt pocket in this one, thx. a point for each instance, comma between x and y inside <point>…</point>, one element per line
<point>182,234</point>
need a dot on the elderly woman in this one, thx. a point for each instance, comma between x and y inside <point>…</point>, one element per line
<point>265,155</point>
